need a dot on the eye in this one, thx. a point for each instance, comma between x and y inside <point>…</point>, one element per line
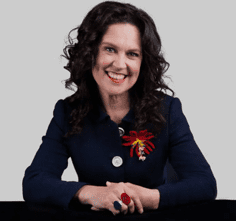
<point>134,54</point>
<point>109,49</point>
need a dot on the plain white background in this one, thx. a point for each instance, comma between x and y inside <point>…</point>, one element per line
<point>199,43</point>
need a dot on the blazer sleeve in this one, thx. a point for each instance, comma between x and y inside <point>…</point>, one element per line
<point>196,180</point>
<point>42,180</point>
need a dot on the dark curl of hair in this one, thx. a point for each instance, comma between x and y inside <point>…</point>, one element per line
<point>81,55</point>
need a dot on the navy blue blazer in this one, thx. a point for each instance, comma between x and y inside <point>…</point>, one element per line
<point>100,141</point>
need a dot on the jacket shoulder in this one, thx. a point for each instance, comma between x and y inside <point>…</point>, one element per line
<point>166,100</point>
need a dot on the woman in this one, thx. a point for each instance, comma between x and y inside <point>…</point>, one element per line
<point>118,126</point>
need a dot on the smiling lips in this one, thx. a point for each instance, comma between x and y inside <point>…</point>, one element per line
<point>116,76</point>
<point>112,72</point>
<point>112,75</point>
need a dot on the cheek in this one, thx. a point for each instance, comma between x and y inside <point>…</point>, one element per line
<point>100,59</point>
<point>104,62</point>
<point>135,67</point>
<point>103,57</point>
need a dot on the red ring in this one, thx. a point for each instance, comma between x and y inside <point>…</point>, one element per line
<point>125,198</point>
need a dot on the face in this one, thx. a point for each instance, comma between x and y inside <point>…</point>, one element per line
<point>120,52</point>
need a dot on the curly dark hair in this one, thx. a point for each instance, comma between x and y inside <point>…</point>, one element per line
<point>81,55</point>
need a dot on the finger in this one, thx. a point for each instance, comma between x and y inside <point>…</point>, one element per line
<point>137,203</point>
<point>136,207</point>
<point>131,206</point>
<point>135,198</point>
<point>130,185</point>
<point>114,211</point>
<point>124,209</point>
<point>95,209</point>
<point>128,204</point>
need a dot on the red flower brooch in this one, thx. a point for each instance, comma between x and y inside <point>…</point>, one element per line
<point>140,142</point>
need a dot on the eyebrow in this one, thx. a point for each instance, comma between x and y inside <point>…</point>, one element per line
<point>108,43</point>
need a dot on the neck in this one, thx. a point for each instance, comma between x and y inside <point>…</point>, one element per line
<point>116,103</point>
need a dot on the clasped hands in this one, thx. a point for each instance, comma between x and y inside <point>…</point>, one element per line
<point>147,199</point>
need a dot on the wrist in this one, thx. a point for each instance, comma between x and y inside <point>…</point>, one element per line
<point>84,194</point>
<point>156,198</point>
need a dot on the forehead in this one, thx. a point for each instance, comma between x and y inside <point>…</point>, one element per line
<point>122,34</point>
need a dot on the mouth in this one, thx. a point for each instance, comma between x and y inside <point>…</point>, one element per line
<point>114,79</point>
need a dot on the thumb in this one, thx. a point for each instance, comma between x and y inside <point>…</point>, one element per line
<point>108,183</point>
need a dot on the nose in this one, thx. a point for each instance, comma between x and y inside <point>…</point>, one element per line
<point>120,62</point>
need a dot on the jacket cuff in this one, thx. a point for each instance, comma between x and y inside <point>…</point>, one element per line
<point>69,201</point>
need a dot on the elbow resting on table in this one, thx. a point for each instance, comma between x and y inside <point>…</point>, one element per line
<point>214,189</point>
<point>210,188</point>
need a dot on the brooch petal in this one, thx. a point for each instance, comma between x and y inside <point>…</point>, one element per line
<point>140,142</point>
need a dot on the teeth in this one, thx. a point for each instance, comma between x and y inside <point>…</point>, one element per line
<point>116,76</point>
